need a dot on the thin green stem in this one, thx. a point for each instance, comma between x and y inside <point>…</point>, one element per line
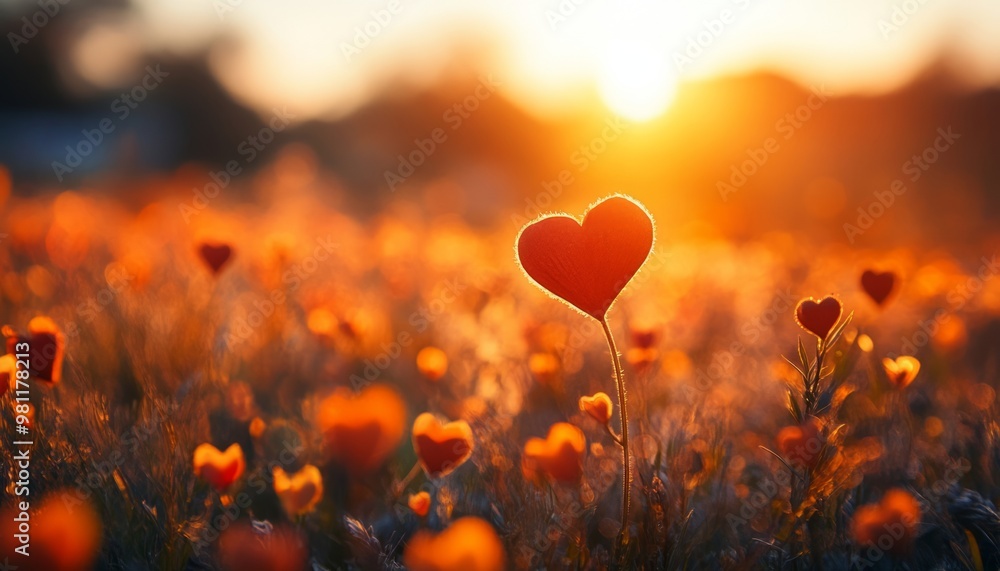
<point>623,411</point>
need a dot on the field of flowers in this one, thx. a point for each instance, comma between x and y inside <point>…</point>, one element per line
<point>290,384</point>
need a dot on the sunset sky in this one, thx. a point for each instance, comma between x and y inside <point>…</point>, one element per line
<point>552,57</point>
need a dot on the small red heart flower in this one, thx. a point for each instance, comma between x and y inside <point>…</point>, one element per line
<point>818,317</point>
<point>441,447</point>
<point>215,255</point>
<point>47,345</point>
<point>560,454</point>
<point>878,285</point>
<point>299,492</point>
<point>420,503</point>
<point>220,469</point>
<point>901,371</point>
<point>588,263</point>
<point>598,406</point>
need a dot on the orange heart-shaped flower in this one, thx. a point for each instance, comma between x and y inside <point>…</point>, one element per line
<point>560,454</point>
<point>441,447</point>
<point>299,492</point>
<point>420,503</point>
<point>545,368</point>
<point>889,525</point>
<point>588,263</point>
<point>818,317</point>
<point>215,255</point>
<point>469,544</point>
<point>432,363</point>
<point>801,445</point>
<point>46,345</point>
<point>362,429</point>
<point>220,469</point>
<point>598,406</point>
<point>64,534</point>
<point>901,371</point>
<point>878,285</point>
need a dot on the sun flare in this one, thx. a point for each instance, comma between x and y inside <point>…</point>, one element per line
<point>634,83</point>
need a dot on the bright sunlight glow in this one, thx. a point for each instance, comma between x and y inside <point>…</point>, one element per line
<point>633,83</point>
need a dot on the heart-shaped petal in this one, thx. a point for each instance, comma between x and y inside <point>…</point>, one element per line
<point>818,317</point>
<point>420,503</point>
<point>469,544</point>
<point>48,345</point>
<point>220,469</point>
<point>588,263</point>
<point>441,448</point>
<point>878,285</point>
<point>560,454</point>
<point>598,406</point>
<point>215,255</point>
<point>361,430</point>
<point>902,370</point>
<point>299,492</point>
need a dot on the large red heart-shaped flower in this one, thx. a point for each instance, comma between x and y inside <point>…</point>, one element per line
<point>588,264</point>
<point>818,317</point>
<point>878,285</point>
